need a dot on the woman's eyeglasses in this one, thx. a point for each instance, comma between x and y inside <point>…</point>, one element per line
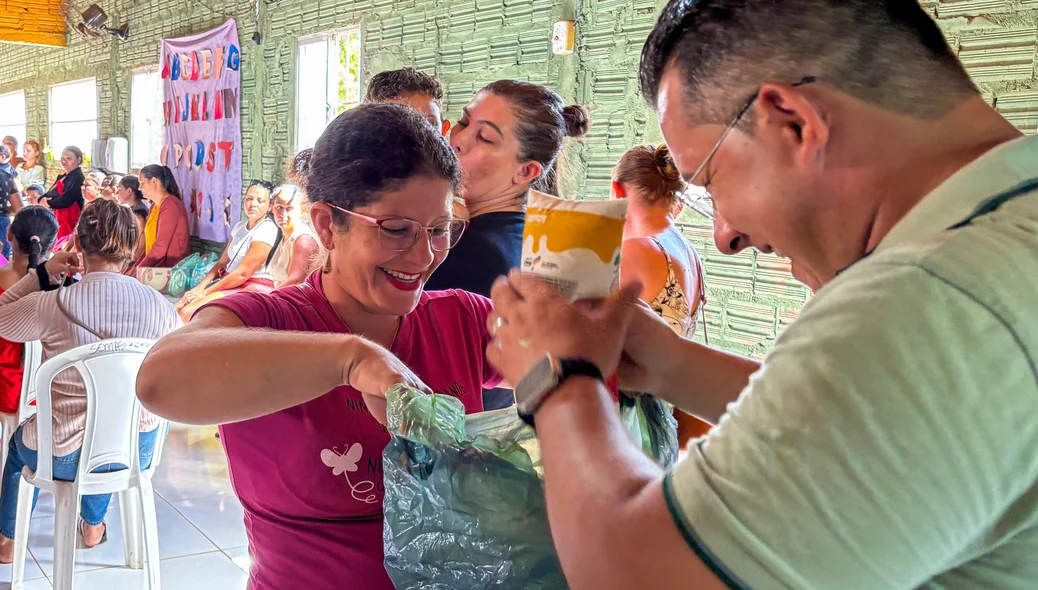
<point>398,234</point>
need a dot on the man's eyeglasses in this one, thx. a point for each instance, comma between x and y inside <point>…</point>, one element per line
<point>702,202</point>
<point>398,234</point>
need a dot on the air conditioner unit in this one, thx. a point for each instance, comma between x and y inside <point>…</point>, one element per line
<point>111,155</point>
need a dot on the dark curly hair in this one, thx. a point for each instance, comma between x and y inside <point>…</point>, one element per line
<point>372,149</point>
<point>393,84</point>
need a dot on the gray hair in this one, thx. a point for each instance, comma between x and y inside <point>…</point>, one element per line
<point>888,53</point>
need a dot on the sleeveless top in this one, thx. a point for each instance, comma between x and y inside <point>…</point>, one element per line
<point>282,257</point>
<point>671,304</point>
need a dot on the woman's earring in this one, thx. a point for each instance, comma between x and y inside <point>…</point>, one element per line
<point>327,264</point>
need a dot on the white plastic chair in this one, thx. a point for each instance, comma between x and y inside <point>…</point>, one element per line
<point>31,358</point>
<point>109,370</point>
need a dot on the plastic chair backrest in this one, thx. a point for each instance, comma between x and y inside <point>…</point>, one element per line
<point>109,371</point>
<point>32,357</point>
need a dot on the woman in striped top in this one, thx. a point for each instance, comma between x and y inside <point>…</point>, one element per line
<point>104,304</point>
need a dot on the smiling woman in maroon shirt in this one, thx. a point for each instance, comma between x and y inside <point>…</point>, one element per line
<point>304,452</point>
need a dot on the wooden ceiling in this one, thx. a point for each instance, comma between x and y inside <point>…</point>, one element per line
<point>37,22</point>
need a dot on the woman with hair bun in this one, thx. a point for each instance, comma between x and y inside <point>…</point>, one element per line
<point>656,255</point>
<point>104,304</point>
<point>166,238</point>
<point>508,141</point>
<point>32,236</point>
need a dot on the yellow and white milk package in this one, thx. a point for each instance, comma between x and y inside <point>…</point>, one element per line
<point>574,245</point>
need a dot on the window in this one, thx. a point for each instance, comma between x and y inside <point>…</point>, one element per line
<point>73,115</point>
<point>147,136</point>
<point>327,82</point>
<point>12,116</point>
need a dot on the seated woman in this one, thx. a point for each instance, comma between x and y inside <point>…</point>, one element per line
<point>65,198</point>
<point>166,237</point>
<point>110,187</point>
<point>128,194</point>
<point>92,186</point>
<point>33,168</point>
<point>298,252</point>
<point>380,182</point>
<point>32,235</point>
<point>243,264</point>
<point>656,255</point>
<point>106,303</point>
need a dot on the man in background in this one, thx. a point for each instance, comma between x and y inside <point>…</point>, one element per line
<point>10,197</point>
<point>411,88</point>
<point>419,91</point>
<point>888,440</point>
<point>12,144</point>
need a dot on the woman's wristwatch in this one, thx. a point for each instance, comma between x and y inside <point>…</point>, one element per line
<point>545,378</point>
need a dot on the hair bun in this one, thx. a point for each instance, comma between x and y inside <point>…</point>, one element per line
<point>665,164</point>
<point>577,119</point>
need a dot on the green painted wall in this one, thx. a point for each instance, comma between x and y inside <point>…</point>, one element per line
<point>470,42</point>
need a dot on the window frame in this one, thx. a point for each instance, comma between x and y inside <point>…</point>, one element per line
<point>331,110</point>
<point>23,127</point>
<point>87,150</point>
<point>146,70</point>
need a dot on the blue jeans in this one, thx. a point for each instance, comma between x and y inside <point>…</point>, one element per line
<point>5,246</point>
<point>93,508</point>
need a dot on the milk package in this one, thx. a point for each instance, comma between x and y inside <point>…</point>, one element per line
<point>574,245</point>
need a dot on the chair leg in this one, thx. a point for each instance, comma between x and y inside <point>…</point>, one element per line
<point>150,528</point>
<point>133,542</point>
<point>21,533</point>
<point>66,521</point>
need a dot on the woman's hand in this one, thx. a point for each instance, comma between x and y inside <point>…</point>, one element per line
<point>67,263</point>
<point>530,320</point>
<point>373,370</point>
<point>192,296</point>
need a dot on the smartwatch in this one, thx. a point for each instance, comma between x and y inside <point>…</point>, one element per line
<point>545,378</point>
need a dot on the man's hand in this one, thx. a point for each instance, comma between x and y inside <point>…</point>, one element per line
<point>651,349</point>
<point>372,370</point>
<point>530,320</point>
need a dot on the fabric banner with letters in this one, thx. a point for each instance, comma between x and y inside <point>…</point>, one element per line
<point>202,80</point>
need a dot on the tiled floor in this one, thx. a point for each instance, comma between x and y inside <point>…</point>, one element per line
<point>201,536</point>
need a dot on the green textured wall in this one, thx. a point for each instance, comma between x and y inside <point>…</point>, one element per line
<point>470,42</point>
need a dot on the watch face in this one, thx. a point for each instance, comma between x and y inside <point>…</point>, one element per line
<point>543,377</point>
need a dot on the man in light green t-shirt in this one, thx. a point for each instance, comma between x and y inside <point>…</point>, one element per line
<point>890,440</point>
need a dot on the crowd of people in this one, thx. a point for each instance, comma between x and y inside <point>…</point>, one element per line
<point>886,442</point>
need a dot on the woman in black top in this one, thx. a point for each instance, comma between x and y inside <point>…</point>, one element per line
<point>65,198</point>
<point>508,140</point>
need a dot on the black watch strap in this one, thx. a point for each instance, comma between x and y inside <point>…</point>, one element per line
<point>567,368</point>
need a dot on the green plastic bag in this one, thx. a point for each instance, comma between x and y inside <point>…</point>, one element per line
<point>652,423</point>
<point>180,276</point>
<point>464,504</point>
<point>202,268</point>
